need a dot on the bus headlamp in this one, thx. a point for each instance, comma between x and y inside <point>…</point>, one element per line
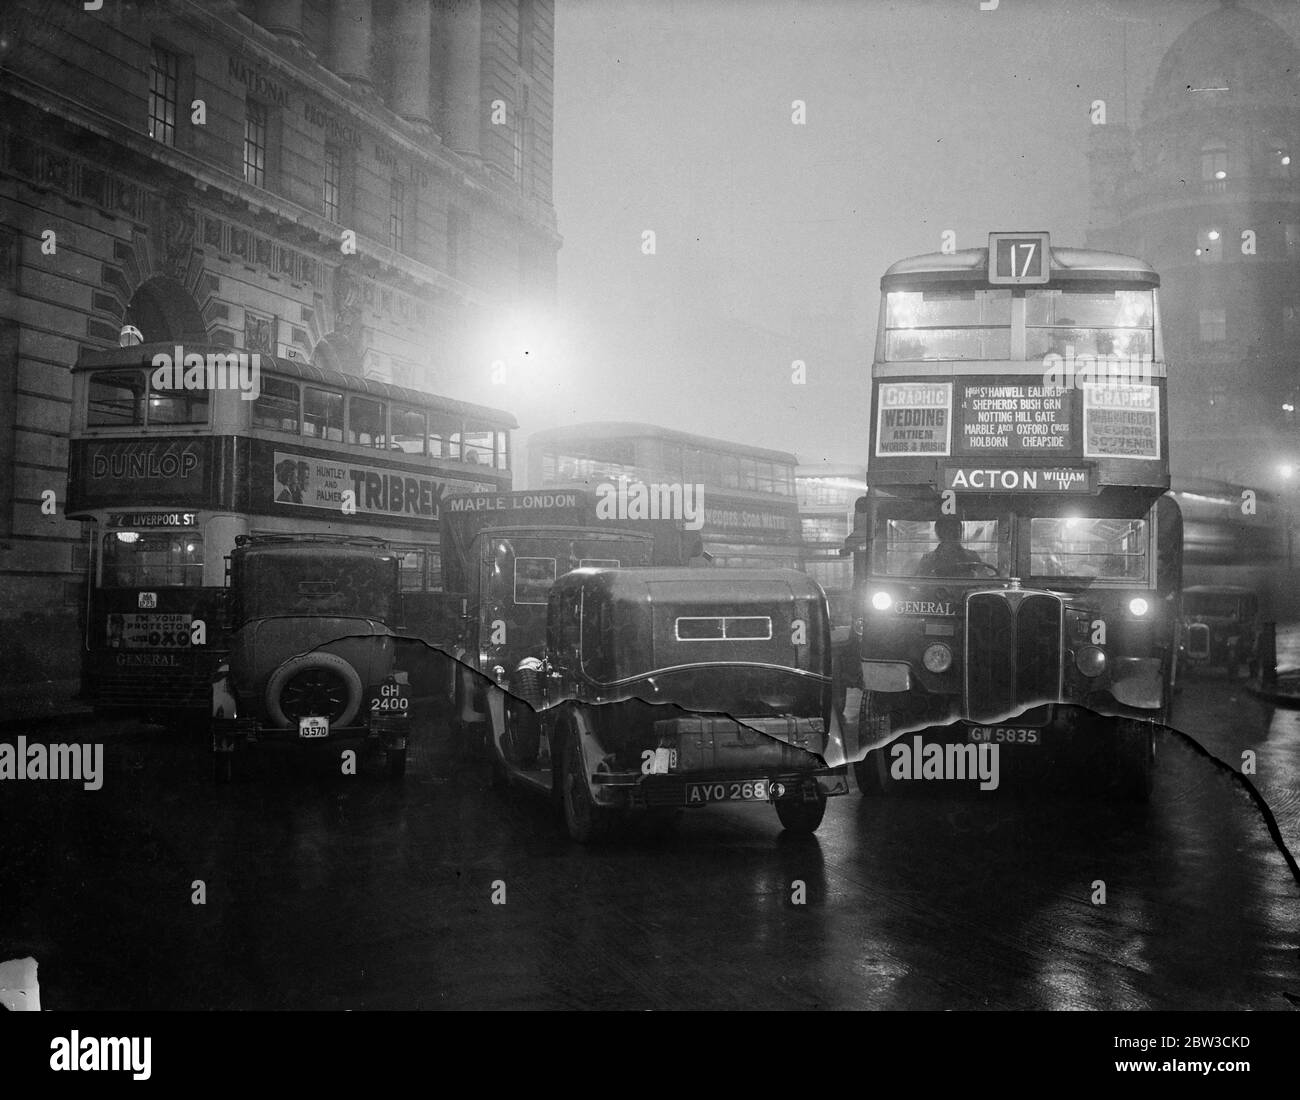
<point>937,658</point>
<point>1090,660</point>
<point>1138,607</point>
<point>882,601</point>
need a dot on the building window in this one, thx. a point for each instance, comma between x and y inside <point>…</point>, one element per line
<point>164,74</point>
<point>1214,326</point>
<point>330,183</point>
<point>255,144</point>
<point>396,212</point>
<point>1214,166</point>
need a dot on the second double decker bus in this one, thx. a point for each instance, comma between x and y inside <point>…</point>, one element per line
<point>177,450</point>
<point>1017,558</point>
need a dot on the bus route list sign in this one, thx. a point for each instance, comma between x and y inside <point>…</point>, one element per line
<point>1001,419</point>
<point>322,482</point>
<point>914,418</point>
<point>1121,422</point>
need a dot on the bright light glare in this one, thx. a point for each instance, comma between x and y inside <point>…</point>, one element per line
<point>1286,469</point>
<point>882,601</point>
<point>1138,606</point>
<point>1213,234</point>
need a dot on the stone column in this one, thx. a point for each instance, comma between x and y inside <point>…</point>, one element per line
<point>281,17</point>
<point>412,31</point>
<point>351,28</point>
<point>462,99</point>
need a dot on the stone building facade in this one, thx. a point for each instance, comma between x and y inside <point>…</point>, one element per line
<point>363,184</point>
<point>1206,187</point>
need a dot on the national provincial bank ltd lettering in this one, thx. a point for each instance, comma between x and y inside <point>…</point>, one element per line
<point>256,82</point>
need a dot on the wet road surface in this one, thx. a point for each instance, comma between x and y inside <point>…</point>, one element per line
<point>324,892</point>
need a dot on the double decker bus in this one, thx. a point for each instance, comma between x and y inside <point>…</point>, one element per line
<point>177,451</point>
<point>1017,559</point>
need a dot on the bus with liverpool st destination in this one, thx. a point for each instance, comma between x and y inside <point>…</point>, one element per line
<point>1017,559</point>
<point>168,467</point>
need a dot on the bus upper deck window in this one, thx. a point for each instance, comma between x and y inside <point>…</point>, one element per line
<point>479,448</point>
<point>276,406</point>
<point>1089,322</point>
<point>366,422</point>
<point>947,324</point>
<point>410,429</point>
<point>323,414</point>
<point>116,399</point>
<point>177,406</point>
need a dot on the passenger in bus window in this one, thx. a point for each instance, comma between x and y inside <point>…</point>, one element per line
<point>950,558</point>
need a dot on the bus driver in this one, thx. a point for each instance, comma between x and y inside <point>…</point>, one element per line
<point>950,558</point>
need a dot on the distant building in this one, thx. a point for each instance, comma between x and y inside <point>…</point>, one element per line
<point>1206,188</point>
<point>364,185</point>
<point>750,514</point>
<point>826,496</point>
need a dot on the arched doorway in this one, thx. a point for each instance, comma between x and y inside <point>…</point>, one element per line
<point>164,310</point>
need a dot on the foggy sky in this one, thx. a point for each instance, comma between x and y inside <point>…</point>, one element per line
<point>922,116</point>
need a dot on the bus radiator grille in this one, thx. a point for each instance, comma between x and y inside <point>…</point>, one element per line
<point>1013,653</point>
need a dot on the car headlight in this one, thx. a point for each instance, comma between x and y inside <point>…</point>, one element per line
<point>1090,660</point>
<point>1138,606</point>
<point>882,601</point>
<point>937,658</point>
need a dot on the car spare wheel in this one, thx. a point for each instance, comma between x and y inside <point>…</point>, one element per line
<point>321,684</point>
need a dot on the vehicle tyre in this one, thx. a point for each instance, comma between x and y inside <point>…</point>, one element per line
<point>314,683</point>
<point>872,771</point>
<point>587,822</point>
<point>802,818</point>
<point>1134,760</point>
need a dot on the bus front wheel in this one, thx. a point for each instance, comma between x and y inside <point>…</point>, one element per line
<point>874,727</point>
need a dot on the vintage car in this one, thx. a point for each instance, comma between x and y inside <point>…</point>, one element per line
<point>661,689</point>
<point>313,649</point>
<point>1221,627</point>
